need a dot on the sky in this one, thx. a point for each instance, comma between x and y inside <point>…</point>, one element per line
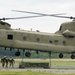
<point>43,24</point>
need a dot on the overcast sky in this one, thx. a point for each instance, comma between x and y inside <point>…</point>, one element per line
<point>44,24</point>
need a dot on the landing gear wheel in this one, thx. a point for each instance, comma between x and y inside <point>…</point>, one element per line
<point>17,53</point>
<point>27,54</point>
<point>60,55</point>
<point>72,56</point>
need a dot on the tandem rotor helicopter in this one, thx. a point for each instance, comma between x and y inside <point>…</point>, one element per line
<point>62,41</point>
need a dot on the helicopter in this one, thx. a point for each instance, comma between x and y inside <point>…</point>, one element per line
<point>62,41</point>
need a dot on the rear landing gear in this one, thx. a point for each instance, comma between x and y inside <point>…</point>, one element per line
<point>72,56</point>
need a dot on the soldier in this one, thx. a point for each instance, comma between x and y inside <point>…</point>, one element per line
<point>11,61</point>
<point>3,61</point>
<point>7,60</point>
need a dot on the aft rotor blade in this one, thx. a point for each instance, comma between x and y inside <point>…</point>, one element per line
<point>64,16</point>
<point>53,15</point>
<point>38,13</point>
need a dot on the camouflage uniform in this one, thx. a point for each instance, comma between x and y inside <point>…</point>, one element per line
<point>11,60</point>
<point>3,61</point>
<point>7,60</point>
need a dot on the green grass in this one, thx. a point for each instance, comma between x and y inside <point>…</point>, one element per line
<point>23,73</point>
<point>27,73</point>
<point>55,62</point>
<point>63,63</point>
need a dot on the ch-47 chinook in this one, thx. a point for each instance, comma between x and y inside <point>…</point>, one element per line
<point>62,41</point>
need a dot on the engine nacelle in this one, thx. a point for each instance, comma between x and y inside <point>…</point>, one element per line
<point>4,25</point>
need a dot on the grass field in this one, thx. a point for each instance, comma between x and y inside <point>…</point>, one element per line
<point>21,73</point>
<point>54,62</point>
<point>27,73</point>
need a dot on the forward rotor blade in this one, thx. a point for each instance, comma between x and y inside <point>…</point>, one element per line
<point>35,17</point>
<point>21,17</point>
<point>38,13</point>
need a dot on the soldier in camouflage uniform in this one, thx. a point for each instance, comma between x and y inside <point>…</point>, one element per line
<point>3,61</point>
<point>11,61</point>
<point>7,61</point>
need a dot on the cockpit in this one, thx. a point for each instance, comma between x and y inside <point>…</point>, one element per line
<point>67,26</point>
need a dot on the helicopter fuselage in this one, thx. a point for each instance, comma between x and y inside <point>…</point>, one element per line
<point>38,41</point>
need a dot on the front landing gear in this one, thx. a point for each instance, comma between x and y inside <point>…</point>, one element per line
<point>60,55</point>
<point>27,54</point>
<point>17,53</point>
<point>72,56</point>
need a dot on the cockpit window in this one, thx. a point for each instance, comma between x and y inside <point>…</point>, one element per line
<point>60,28</point>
